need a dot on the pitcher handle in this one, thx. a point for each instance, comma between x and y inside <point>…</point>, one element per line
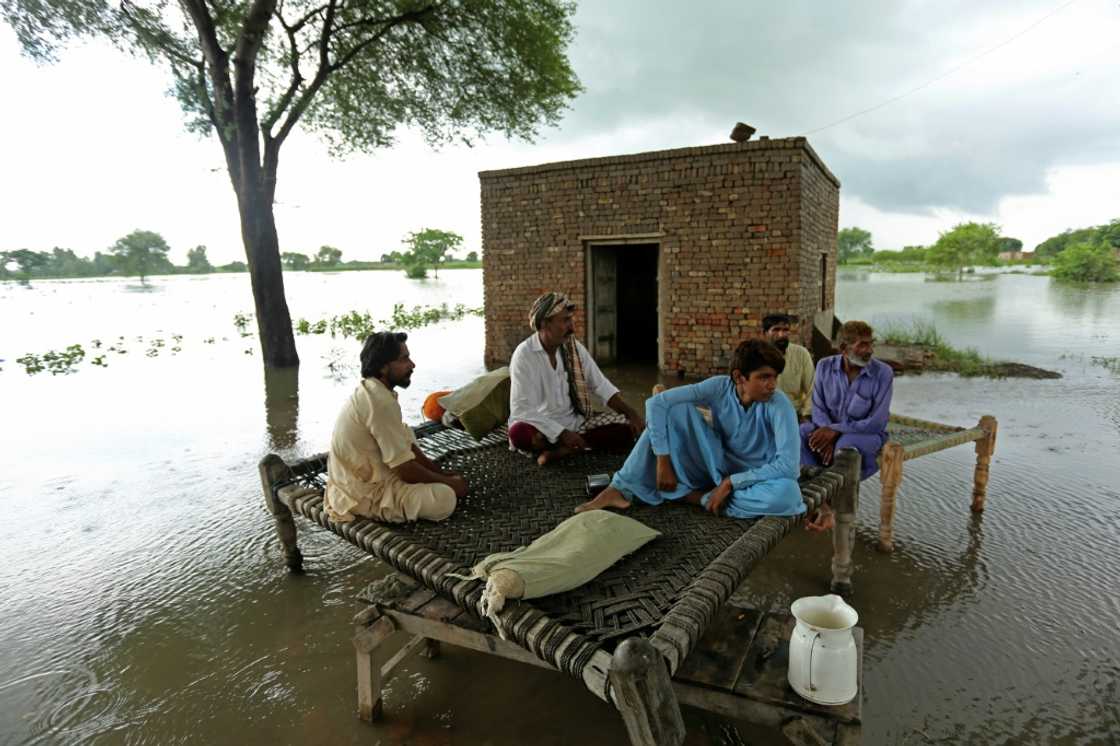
<point>811,648</point>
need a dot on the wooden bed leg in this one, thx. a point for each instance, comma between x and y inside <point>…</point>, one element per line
<point>985,447</point>
<point>431,649</point>
<point>890,476</point>
<point>843,532</point>
<point>272,469</point>
<point>643,692</point>
<point>366,640</point>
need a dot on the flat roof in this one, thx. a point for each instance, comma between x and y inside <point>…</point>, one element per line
<point>785,143</point>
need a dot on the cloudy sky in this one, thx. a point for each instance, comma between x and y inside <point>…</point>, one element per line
<point>998,111</point>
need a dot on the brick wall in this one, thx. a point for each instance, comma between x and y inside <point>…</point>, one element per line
<point>741,228</point>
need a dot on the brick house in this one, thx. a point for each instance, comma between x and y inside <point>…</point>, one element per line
<point>673,256</point>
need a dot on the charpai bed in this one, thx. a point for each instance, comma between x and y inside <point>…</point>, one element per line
<point>665,594</point>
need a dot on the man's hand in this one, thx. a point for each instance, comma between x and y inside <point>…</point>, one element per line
<point>822,437</point>
<point>822,521</point>
<point>457,483</point>
<point>826,453</point>
<point>573,440</point>
<point>666,477</point>
<point>637,424</point>
<point>719,496</point>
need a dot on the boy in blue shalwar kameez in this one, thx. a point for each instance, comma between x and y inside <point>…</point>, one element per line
<point>744,464</point>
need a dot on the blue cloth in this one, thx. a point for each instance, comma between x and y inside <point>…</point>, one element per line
<point>756,446</point>
<point>858,410</point>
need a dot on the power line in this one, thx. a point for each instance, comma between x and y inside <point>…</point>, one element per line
<point>943,75</point>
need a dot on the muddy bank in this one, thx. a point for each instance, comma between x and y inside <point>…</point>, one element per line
<point>917,359</point>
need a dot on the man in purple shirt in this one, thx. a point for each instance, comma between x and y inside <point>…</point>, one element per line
<point>851,402</point>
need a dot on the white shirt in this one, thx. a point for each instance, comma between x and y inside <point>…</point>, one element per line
<point>539,393</point>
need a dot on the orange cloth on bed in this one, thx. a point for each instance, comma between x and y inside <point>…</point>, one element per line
<point>431,409</point>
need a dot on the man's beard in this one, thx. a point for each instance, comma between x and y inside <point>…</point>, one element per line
<point>404,382</point>
<point>782,344</point>
<point>859,362</point>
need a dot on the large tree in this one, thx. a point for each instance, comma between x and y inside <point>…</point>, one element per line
<point>353,70</point>
<point>141,253</point>
<point>430,246</point>
<point>853,242</point>
<point>197,261</point>
<point>965,245</point>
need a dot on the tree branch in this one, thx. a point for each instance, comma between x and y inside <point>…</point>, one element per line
<point>415,16</point>
<point>217,63</point>
<point>326,68</point>
<point>293,85</point>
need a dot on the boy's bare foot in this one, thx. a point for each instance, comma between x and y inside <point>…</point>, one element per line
<point>554,454</point>
<point>608,498</point>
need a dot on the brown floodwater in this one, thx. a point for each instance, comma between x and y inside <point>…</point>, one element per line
<point>143,600</point>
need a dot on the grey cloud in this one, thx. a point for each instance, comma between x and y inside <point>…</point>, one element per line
<point>789,67</point>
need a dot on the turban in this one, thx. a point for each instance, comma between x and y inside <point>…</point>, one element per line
<point>547,306</point>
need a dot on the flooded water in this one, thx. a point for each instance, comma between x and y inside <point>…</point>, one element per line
<point>143,600</point>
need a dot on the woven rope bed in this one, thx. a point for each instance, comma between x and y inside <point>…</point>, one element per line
<point>668,591</point>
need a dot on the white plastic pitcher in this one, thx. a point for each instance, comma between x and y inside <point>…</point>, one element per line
<point>822,651</point>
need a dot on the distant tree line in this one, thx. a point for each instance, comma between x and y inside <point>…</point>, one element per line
<point>140,253</point>
<point>1084,254</point>
<point>427,249</point>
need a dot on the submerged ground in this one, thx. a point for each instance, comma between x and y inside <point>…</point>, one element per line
<point>144,600</point>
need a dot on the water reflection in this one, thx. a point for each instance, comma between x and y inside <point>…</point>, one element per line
<point>281,407</point>
<point>970,310</point>
<point>1084,300</point>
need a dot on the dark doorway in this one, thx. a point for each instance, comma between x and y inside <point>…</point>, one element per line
<point>623,298</point>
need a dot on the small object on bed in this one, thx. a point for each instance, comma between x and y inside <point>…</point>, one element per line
<point>596,483</point>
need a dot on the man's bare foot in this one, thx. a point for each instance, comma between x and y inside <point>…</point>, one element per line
<point>694,497</point>
<point>554,454</point>
<point>658,388</point>
<point>821,520</point>
<point>608,498</point>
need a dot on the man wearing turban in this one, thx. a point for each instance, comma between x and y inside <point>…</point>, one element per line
<point>553,379</point>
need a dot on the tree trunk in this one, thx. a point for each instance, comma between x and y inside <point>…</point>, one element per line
<point>262,250</point>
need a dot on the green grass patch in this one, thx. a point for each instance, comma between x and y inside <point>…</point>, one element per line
<point>946,358</point>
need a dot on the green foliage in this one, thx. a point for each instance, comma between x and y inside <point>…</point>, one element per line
<point>1055,245</point>
<point>1111,364</point>
<point>361,325</point>
<point>1087,262</point>
<point>242,321</point>
<point>851,243</point>
<point>328,256</point>
<point>295,262</point>
<point>428,248</point>
<point>197,263</point>
<point>27,262</point>
<point>965,245</point>
<point>55,361</point>
<point>393,257</point>
<point>142,253</point>
<point>234,267</point>
<point>472,256</point>
<point>1109,234</point>
<point>1009,244</point>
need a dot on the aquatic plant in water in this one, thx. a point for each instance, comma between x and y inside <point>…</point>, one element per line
<point>57,362</point>
<point>360,325</point>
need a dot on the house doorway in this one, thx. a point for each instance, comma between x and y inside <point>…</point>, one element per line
<point>623,309</point>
